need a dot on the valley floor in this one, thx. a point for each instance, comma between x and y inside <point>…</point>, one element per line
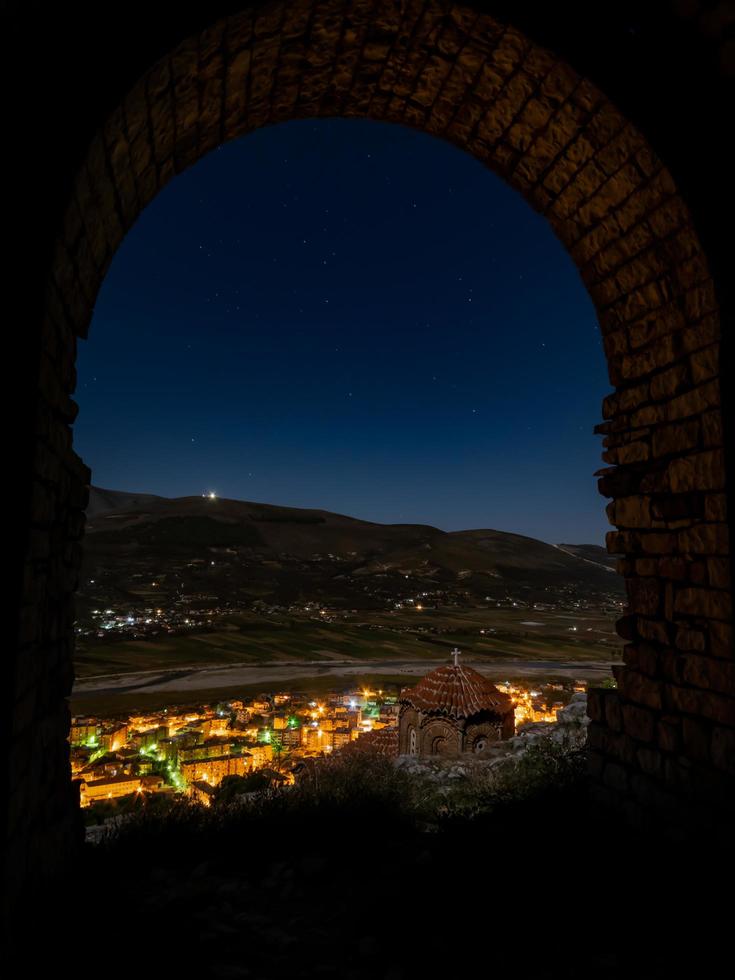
<point>116,692</point>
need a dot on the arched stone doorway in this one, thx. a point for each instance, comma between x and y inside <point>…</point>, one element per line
<point>455,71</point>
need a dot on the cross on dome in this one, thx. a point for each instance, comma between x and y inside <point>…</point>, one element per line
<point>455,654</point>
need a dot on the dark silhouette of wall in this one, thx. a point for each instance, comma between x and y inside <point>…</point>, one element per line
<point>612,122</point>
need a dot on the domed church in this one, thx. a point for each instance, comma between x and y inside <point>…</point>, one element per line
<point>453,710</point>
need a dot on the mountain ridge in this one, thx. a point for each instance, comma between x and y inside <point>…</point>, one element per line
<point>295,554</point>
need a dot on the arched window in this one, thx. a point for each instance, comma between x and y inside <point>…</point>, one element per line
<point>412,742</point>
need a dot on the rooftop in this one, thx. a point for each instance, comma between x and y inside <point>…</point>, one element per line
<point>456,691</point>
<point>380,741</point>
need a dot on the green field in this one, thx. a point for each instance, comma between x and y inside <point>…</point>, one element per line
<point>384,636</point>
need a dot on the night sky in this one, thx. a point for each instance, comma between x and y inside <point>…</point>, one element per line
<point>351,316</point>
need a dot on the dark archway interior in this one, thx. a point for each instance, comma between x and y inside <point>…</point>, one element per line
<point>618,137</point>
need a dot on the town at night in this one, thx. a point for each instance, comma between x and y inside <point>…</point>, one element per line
<point>191,750</point>
<point>372,445</point>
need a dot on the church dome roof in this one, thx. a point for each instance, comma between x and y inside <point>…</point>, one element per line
<point>456,691</point>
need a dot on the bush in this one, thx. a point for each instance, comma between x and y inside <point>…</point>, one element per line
<point>233,786</point>
<point>349,797</point>
<point>546,769</point>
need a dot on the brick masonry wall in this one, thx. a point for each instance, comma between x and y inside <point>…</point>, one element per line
<point>667,734</point>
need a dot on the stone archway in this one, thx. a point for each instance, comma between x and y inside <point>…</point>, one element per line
<point>666,734</point>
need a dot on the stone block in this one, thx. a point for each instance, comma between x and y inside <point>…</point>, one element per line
<point>694,402</point>
<point>704,539</point>
<point>630,512</point>
<point>640,723</point>
<point>701,471</point>
<point>650,761</point>
<point>655,630</point>
<point>718,573</point>
<point>613,715</point>
<point>708,673</point>
<point>668,733</point>
<point>644,596</point>
<point>690,639</point>
<point>723,748</point>
<point>677,438</point>
<point>707,603</point>
<point>641,690</point>
<point>704,363</point>
<point>702,704</point>
<point>696,739</point>
<point>721,640</point>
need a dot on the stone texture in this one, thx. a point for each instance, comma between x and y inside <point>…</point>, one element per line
<point>456,72</point>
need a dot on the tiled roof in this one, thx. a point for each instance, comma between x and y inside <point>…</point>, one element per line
<point>380,741</point>
<point>457,691</point>
<point>111,780</point>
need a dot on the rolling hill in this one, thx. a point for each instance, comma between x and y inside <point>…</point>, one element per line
<point>242,552</point>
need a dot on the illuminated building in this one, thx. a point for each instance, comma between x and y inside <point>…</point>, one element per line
<point>528,706</point>
<point>112,787</point>
<point>314,739</point>
<point>154,784</point>
<point>113,738</point>
<point>213,727</point>
<point>388,714</point>
<point>452,710</point>
<point>169,750</point>
<point>79,759</point>
<point>290,738</point>
<point>142,723</point>
<point>261,754</point>
<point>83,731</point>
<point>209,749</point>
<point>449,711</point>
<point>202,792</point>
<point>340,739</point>
<point>104,767</point>
<point>149,737</point>
<point>214,770</point>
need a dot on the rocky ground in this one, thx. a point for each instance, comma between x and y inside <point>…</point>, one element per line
<point>567,734</point>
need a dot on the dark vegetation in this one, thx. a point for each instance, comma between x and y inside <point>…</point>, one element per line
<point>175,534</point>
<point>355,874</point>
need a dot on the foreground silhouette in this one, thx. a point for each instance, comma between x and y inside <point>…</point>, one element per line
<point>344,881</point>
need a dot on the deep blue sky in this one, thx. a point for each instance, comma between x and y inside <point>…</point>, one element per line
<point>353,316</point>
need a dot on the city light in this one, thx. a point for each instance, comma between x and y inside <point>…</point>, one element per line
<point>180,751</point>
<point>528,704</point>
